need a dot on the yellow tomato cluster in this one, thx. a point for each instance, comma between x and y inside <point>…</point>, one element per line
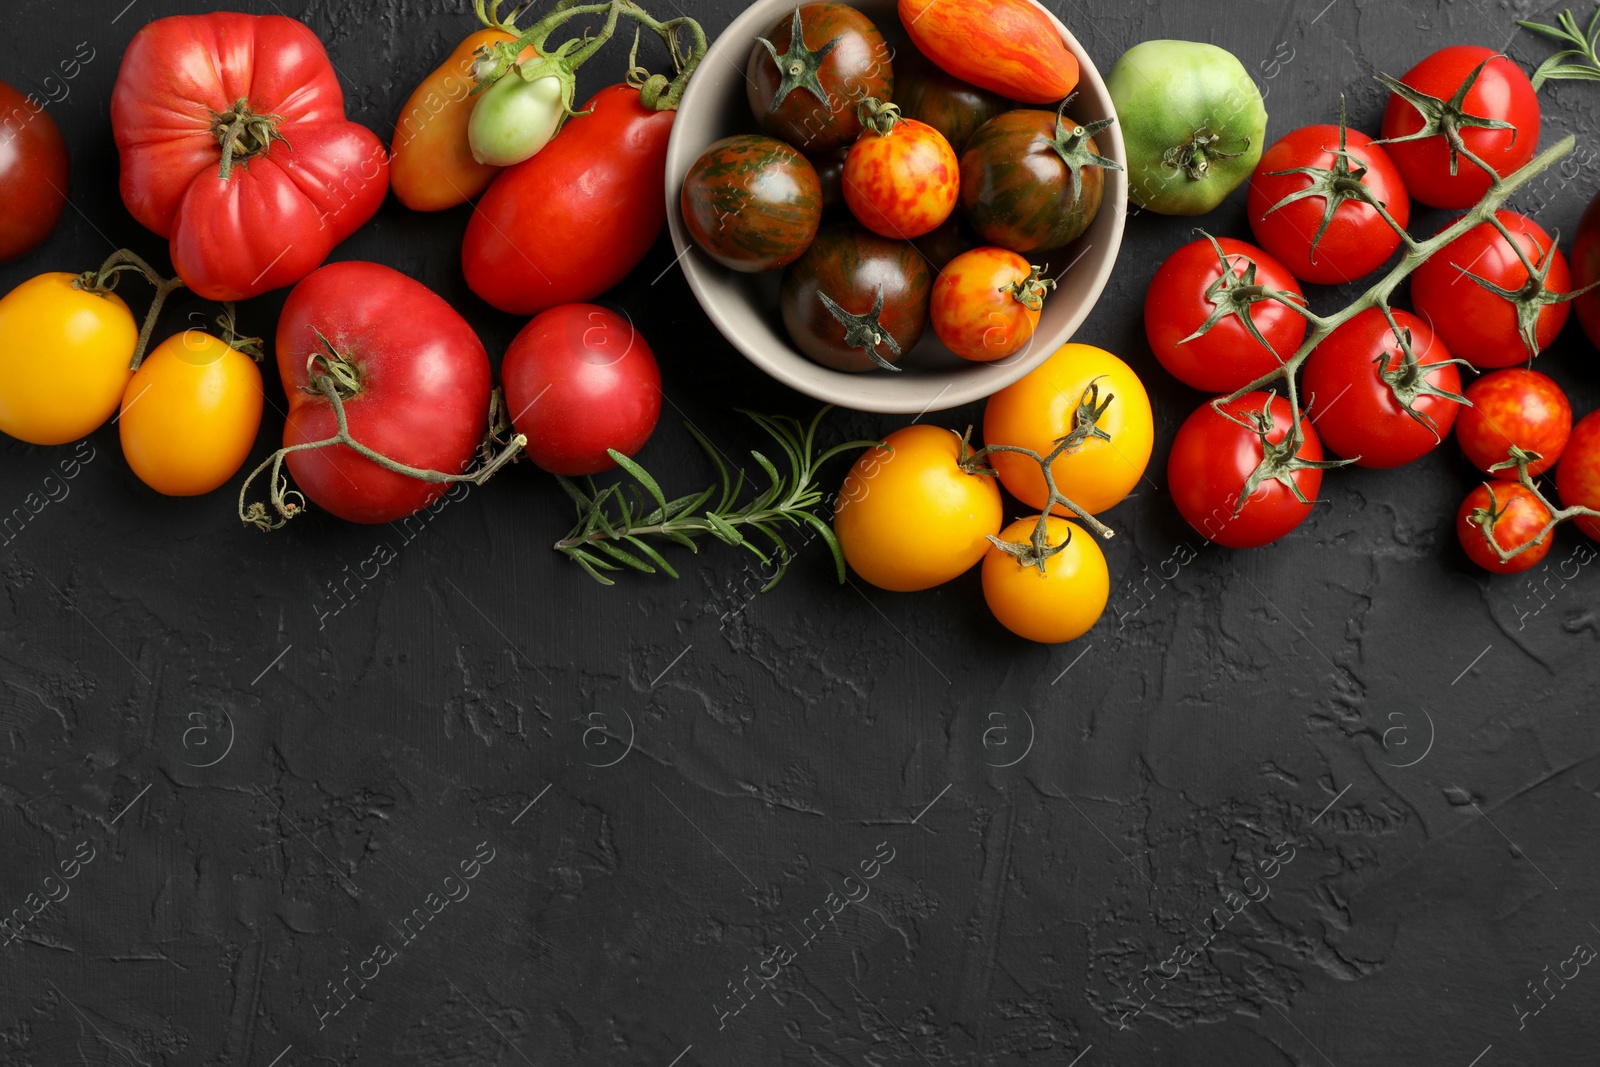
<point>189,414</point>
<point>911,515</point>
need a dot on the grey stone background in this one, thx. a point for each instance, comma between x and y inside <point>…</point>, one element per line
<point>1406,745</point>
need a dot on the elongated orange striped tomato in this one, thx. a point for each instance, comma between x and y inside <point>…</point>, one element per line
<point>431,166</point>
<point>1011,47</point>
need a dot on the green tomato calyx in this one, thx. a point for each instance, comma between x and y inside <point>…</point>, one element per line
<point>1447,118</point>
<point>1235,292</point>
<point>1533,296</point>
<point>1408,379</point>
<point>1073,146</point>
<point>1030,291</point>
<point>1279,461</point>
<point>865,332</point>
<point>800,67</point>
<point>242,134</point>
<point>1194,156</point>
<point>878,116</point>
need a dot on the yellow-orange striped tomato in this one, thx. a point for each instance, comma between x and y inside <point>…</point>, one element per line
<point>190,414</point>
<point>903,182</point>
<point>986,304</point>
<point>430,165</point>
<point>64,355</point>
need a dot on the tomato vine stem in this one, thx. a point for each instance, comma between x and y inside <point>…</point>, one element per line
<point>104,281</point>
<point>1485,519</point>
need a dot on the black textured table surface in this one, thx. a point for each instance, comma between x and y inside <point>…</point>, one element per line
<point>269,752</point>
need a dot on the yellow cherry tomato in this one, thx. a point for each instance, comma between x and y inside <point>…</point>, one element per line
<point>1060,604</point>
<point>190,414</point>
<point>431,166</point>
<point>912,518</point>
<point>1044,406</point>
<point>64,357</point>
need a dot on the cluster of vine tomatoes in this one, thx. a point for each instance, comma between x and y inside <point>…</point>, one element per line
<point>925,508</point>
<point>1328,205</point>
<point>860,156</point>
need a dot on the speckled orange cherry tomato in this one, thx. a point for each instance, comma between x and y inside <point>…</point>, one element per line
<point>1061,602</point>
<point>986,304</point>
<point>902,179</point>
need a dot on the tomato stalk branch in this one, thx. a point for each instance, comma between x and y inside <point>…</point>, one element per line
<point>287,503</point>
<point>1485,519</point>
<point>104,281</point>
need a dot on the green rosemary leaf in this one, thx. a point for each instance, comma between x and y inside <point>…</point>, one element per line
<point>589,563</point>
<point>655,557</point>
<point>723,531</point>
<point>828,538</point>
<point>620,556</point>
<point>641,476</point>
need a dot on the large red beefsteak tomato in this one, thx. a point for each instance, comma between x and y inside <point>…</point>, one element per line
<point>235,147</point>
<point>412,375</point>
<point>568,224</point>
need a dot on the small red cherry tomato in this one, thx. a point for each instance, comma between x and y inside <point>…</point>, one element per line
<point>1361,392</point>
<point>1519,519</point>
<point>1578,477</point>
<point>1422,117</point>
<point>1328,248</point>
<point>902,178</point>
<point>1518,407</point>
<point>1189,291</point>
<point>986,304</point>
<point>580,380</point>
<point>1481,326</point>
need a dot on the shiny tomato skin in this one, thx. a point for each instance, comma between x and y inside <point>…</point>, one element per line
<point>1226,357</point>
<point>1516,406</point>
<point>1041,408</point>
<point>430,162</point>
<point>579,380</point>
<point>190,414</point>
<point>752,203</point>
<point>859,65</point>
<point>1502,92</point>
<point>978,311</point>
<point>1212,458</point>
<point>1010,47</point>
<point>1477,325</point>
<point>1578,475</point>
<point>953,107</point>
<point>64,355</point>
<point>276,216</point>
<point>1586,269</point>
<point>1356,413</point>
<point>1521,522</point>
<point>1357,241</point>
<point>916,486</point>
<point>1061,604</point>
<point>570,223</point>
<point>424,396</point>
<point>1015,190</point>
<point>903,184</point>
<point>33,173</point>
<point>851,265</point>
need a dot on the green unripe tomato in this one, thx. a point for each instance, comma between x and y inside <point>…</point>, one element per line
<point>515,118</point>
<point>1192,121</point>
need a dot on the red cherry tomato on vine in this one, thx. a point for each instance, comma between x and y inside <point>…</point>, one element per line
<point>902,183</point>
<point>1212,459</point>
<point>1359,404</point>
<point>1502,94</point>
<point>1521,519</point>
<point>1578,476</point>
<point>1480,326</point>
<point>580,380</point>
<point>1185,293</point>
<point>1518,407</point>
<point>986,304</point>
<point>1356,240</point>
<point>414,380</point>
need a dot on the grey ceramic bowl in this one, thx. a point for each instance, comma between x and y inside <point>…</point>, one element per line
<point>744,307</point>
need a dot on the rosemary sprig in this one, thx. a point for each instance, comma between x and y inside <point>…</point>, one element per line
<point>1581,46</point>
<point>615,524</point>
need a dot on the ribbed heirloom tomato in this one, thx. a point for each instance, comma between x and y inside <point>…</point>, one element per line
<point>190,414</point>
<point>412,375</point>
<point>1050,403</point>
<point>1515,407</point>
<point>911,518</point>
<point>234,146</point>
<point>64,355</point>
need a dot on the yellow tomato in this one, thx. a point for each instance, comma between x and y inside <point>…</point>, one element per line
<point>1043,407</point>
<point>1058,605</point>
<point>64,356</point>
<point>912,518</point>
<point>190,414</point>
<point>431,166</point>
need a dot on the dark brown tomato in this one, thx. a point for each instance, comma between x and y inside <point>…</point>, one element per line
<point>1017,190</point>
<point>947,242</point>
<point>33,173</point>
<point>752,203</point>
<point>830,171</point>
<point>808,91</point>
<point>953,107</point>
<point>856,301</point>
